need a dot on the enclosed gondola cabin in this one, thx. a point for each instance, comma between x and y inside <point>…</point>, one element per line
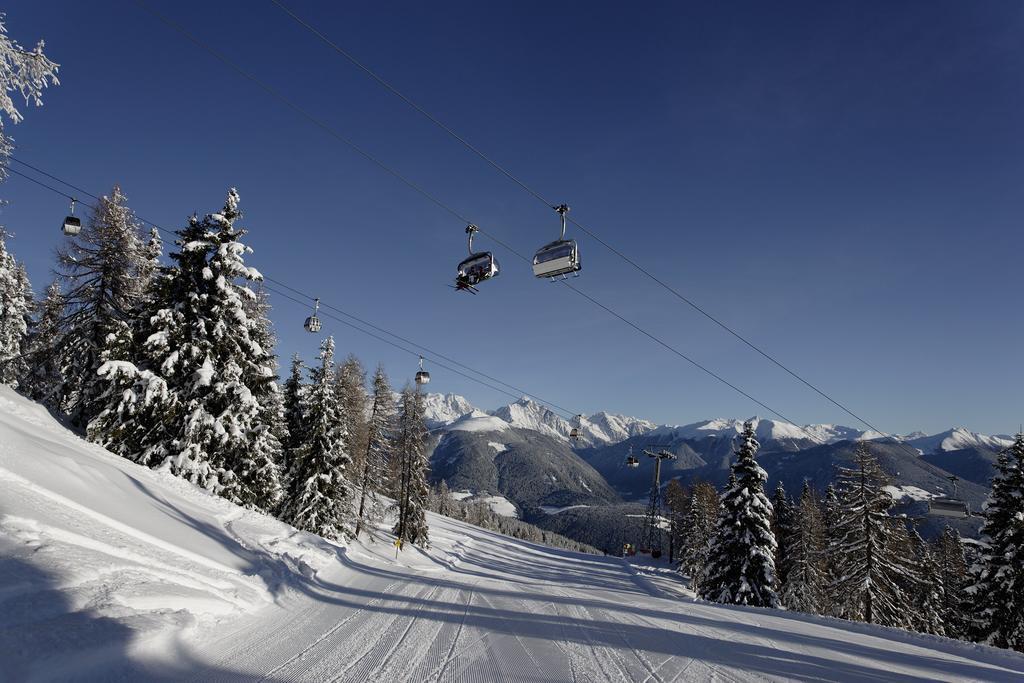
<point>72,226</point>
<point>312,323</point>
<point>632,461</point>
<point>560,257</point>
<point>422,376</point>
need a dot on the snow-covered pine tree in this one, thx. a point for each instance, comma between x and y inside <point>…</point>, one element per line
<point>998,576</point>
<point>782,527</point>
<point>413,469</point>
<point>445,503</point>
<point>927,614</point>
<point>869,546</point>
<point>100,272</point>
<point>948,551</point>
<point>25,72</point>
<point>379,445</point>
<point>350,385</point>
<point>741,568</point>
<point>41,378</point>
<point>15,305</point>
<point>318,497</point>
<point>293,419</point>
<point>836,603</point>
<point>677,503</point>
<point>199,340</point>
<point>804,589</point>
<point>698,532</point>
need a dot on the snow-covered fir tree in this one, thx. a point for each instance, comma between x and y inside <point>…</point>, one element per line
<point>350,385</point>
<point>15,306</point>
<point>998,577</point>
<point>782,528</point>
<point>200,362</point>
<point>25,73</point>
<point>445,503</point>
<point>677,504</point>
<point>836,602</point>
<point>869,547</point>
<point>927,615</point>
<point>698,532</point>
<point>805,587</point>
<point>293,419</point>
<point>100,272</point>
<point>373,466</point>
<point>948,551</point>
<point>41,380</point>
<point>318,499</point>
<point>741,568</point>
<point>413,468</point>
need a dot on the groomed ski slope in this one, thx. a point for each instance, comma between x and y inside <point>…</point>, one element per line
<point>110,571</point>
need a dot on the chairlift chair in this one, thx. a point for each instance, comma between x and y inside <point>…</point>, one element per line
<point>949,506</point>
<point>72,224</point>
<point>560,257</point>
<point>632,460</point>
<point>312,323</point>
<point>476,268</point>
<point>422,377</point>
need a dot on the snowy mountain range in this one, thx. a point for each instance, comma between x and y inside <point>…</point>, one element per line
<point>603,428</point>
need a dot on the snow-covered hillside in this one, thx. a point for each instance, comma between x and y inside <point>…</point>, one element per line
<point>112,571</point>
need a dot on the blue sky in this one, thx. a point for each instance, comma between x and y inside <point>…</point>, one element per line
<point>840,182</point>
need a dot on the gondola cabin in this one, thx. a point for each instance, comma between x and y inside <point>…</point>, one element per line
<point>948,507</point>
<point>557,258</point>
<point>422,377</point>
<point>631,461</point>
<point>312,324</point>
<point>72,226</point>
<point>574,434</point>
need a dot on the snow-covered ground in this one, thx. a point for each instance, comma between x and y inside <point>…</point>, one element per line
<point>112,571</point>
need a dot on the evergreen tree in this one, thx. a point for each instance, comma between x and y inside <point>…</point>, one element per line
<point>927,614</point>
<point>782,527</point>
<point>15,305</point>
<point>698,532</point>
<point>998,577</point>
<point>25,72</point>
<point>413,469</point>
<point>677,502</point>
<point>350,386</point>
<point>318,499</point>
<point>804,589</point>
<point>446,505</point>
<point>741,568</point>
<point>100,271</point>
<point>293,419</point>
<point>197,338</point>
<point>41,380</point>
<point>379,443</point>
<point>869,546</point>
<point>948,552</point>
<point>836,603</point>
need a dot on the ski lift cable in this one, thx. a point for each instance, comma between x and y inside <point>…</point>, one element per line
<point>308,297</point>
<point>547,203</point>
<point>436,354</point>
<point>341,138</point>
<point>411,352</point>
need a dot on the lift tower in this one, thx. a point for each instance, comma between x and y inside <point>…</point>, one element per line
<point>653,541</point>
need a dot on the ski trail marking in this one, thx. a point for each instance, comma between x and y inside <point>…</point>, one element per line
<point>455,641</point>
